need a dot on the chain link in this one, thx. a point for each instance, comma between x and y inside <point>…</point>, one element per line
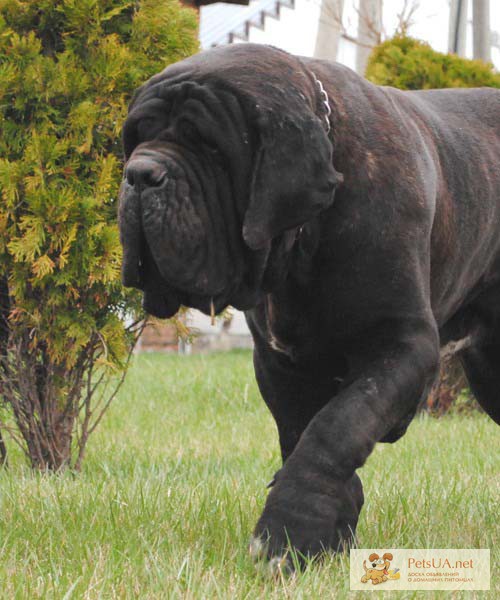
<point>325,101</point>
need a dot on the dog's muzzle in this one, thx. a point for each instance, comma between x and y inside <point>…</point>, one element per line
<point>165,244</point>
<point>142,173</point>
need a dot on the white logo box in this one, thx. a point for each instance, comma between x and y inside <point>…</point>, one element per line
<point>419,569</point>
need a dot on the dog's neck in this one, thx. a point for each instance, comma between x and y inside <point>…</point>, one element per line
<point>291,257</point>
<point>289,281</point>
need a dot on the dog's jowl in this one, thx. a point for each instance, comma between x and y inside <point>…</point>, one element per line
<point>357,226</point>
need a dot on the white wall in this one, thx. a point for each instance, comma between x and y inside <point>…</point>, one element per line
<point>294,32</point>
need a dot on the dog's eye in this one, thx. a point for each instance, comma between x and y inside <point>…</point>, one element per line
<point>190,135</point>
<point>147,128</point>
<point>188,132</point>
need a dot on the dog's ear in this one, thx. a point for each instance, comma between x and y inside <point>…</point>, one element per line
<point>373,557</point>
<point>387,556</point>
<point>293,178</point>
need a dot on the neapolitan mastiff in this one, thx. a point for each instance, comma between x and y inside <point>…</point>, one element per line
<point>357,226</point>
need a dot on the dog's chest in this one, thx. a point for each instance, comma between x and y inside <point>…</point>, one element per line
<point>292,330</point>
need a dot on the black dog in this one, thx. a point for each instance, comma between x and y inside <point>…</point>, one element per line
<point>358,227</point>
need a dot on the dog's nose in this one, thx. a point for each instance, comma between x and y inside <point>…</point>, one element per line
<point>142,173</point>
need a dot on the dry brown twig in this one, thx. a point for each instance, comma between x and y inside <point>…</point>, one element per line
<point>406,16</point>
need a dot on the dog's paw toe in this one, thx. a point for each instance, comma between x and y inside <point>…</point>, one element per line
<point>280,565</point>
<point>257,548</point>
<point>275,565</point>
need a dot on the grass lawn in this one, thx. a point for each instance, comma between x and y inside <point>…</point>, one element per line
<point>175,478</point>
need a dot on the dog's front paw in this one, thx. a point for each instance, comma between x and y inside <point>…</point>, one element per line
<point>307,518</point>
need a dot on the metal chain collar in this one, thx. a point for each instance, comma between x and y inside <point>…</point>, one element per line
<point>325,102</point>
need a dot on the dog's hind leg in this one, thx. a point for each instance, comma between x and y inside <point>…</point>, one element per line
<point>482,367</point>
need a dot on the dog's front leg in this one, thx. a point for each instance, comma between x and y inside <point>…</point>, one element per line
<point>315,502</point>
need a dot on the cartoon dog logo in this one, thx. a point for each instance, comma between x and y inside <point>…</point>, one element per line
<point>379,571</point>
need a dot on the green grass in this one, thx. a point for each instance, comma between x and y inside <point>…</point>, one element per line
<point>174,480</point>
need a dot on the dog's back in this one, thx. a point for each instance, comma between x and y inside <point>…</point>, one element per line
<point>446,145</point>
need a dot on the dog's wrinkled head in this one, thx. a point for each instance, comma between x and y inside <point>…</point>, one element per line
<point>224,154</point>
